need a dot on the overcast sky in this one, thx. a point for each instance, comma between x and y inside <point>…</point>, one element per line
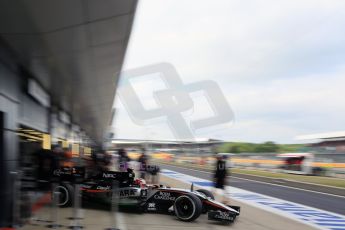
<point>280,65</point>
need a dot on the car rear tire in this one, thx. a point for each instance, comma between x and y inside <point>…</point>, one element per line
<point>187,207</point>
<point>66,194</point>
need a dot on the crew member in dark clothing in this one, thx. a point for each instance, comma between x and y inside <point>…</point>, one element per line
<point>220,172</point>
<point>143,163</point>
<point>123,160</point>
<point>220,175</point>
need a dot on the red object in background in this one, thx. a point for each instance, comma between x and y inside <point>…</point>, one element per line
<point>140,182</point>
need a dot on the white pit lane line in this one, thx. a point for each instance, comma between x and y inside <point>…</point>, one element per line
<point>308,215</point>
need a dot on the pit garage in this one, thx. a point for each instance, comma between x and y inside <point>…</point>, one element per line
<point>59,68</point>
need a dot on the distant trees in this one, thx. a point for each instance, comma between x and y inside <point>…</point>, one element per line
<point>266,147</point>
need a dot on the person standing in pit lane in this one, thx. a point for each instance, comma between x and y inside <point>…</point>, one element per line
<point>142,164</point>
<point>123,160</point>
<point>220,174</point>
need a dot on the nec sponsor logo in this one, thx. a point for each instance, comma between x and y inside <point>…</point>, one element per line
<point>109,175</point>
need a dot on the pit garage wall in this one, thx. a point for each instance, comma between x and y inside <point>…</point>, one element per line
<point>16,107</point>
<point>9,104</point>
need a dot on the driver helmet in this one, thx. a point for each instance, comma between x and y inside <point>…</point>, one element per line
<point>140,182</point>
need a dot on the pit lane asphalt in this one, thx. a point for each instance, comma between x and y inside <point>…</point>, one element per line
<point>97,216</point>
<point>322,201</point>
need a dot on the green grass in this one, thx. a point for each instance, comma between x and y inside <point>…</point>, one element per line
<point>328,181</point>
<point>266,147</point>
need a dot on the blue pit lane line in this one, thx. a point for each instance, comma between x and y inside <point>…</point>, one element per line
<point>308,215</point>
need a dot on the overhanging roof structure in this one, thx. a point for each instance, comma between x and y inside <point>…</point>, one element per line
<point>75,49</point>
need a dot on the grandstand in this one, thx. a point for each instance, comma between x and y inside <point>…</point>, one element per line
<point>333,142</point>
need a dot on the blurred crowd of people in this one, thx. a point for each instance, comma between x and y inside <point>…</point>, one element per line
<point>145,170</point>
<point>99,161</point>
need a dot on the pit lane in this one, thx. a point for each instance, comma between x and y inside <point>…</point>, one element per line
<point>324,201</point>
<point>97,216</point>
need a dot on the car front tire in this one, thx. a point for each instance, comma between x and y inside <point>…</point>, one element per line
<point>187,207</point>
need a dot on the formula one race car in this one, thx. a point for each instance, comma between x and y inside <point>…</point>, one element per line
<point>187,205</point>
